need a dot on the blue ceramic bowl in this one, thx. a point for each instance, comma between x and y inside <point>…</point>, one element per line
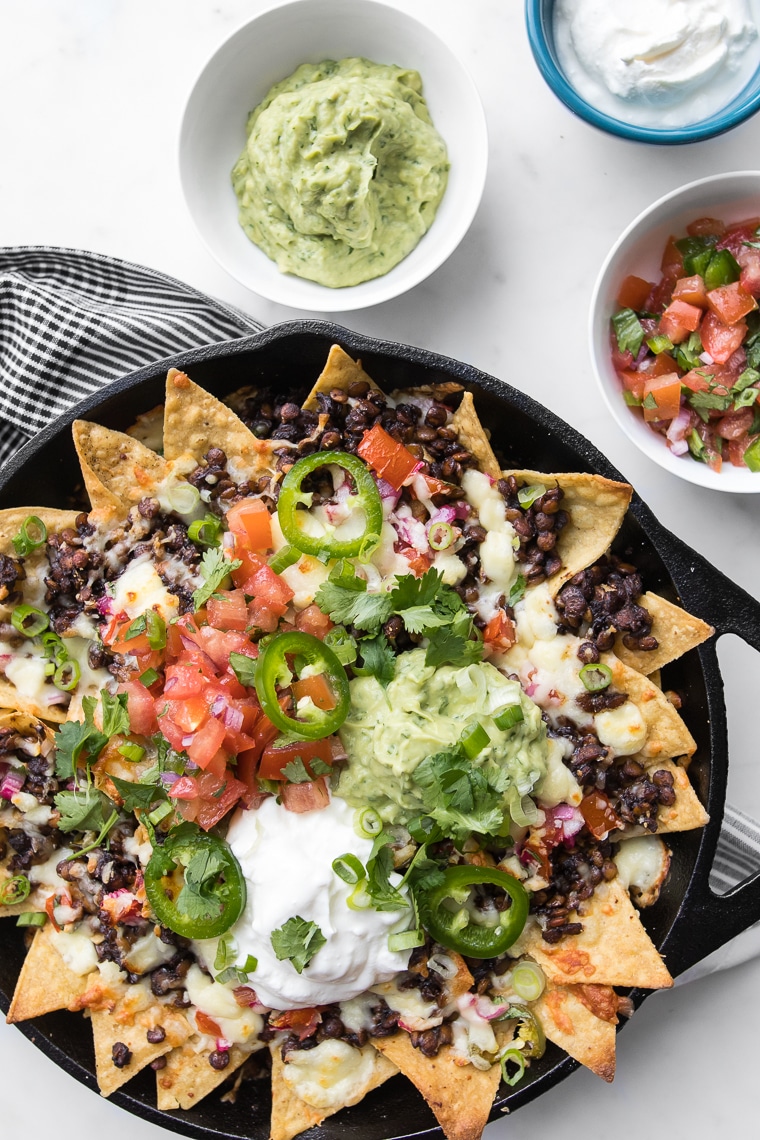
<point>539,18</point>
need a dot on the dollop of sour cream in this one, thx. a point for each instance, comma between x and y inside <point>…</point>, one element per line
<point>657,63</point>
<point>287,862</point>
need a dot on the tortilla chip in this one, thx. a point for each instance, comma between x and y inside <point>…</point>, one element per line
<point>12,519</point>
<point>667,735</point>
<point>685,814</point>
<point>613,948</point>
<point>188,1077</point>
<point>291,1115</point>
<point>130,1028</point>
<point>439,392</point>
<point>340,371</point>
<point>460,1096</point>
<point>472,435</point>
<point>195,421</point>
<point>117,469</point>
<point>676,631</point>
<point>596,507</point>
<point>149,429</point>
<point>45,983</point>
<point>569,1023</point>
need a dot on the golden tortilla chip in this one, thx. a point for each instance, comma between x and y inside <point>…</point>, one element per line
<point>596,506</point>
<point>676,631</point>
<point>45,983</point>
<point>340,371</point>
<point>569,1023</point>
<point>127,1025</point>
<point>685,814</point>
<point>195,421</point>
<point>613,948</point>
<point>149,429</point>
<point>117,469</point>
<point>438,392</point>
<point>188,1077</point>
<point>472,435</point>
<point>291,1115</point>
<point>12,519</point>
<point>460,1096</point>
<point>667,735</point>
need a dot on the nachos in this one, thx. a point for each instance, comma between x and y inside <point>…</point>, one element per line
<point>334,749</point>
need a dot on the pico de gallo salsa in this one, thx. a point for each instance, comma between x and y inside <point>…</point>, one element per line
<point>686,348</point>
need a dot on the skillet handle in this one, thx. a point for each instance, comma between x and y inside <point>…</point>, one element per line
<point>716,919</point>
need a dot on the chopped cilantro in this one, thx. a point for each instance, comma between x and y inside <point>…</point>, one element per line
<point>629,332</point>
<point>517,590</point>
<point>297,941</point>
<point>195,900</point>
<point>214,568</point>
<point>140,795</point>
<point>378,659</point>
<point>296,771</point>
<point>345,599</point>
<point>244,668</point>
<point>84,809</point>
<point>381,891</point>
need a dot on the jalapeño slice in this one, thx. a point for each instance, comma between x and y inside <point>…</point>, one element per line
<point>448,916</point>
<point>195,884</point>
<point>325,545</point>
<point>273,671</point>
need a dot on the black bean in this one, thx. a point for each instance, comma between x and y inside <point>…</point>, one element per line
<point>120,1054</point>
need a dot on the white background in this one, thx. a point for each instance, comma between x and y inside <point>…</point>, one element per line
<point>91,94</point>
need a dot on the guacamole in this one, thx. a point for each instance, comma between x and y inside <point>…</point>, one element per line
<point>342,172</point>
<point>390,736</point>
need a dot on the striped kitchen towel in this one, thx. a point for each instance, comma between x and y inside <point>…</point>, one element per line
<point>71,321</point>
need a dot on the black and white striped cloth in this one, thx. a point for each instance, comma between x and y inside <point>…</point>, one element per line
<point>71,321</point>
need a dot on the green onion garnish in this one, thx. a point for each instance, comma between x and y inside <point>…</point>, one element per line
<point>528,981</point>
<point>406,940</point>
<point>367,823</point>
<point>132,752</point>
<point>205,532</point>
<point>475,741</point>
<point>349,868</point>
<point>516,1058</point>
<point>509,717</point>
<point>24,542</point>
<point>595,677</point>
<point>29,621</point>
<point>67,676</point>
<point>527,495</point>
<point>285,556</point>
<point>160,813</point>
<point>32,918</point>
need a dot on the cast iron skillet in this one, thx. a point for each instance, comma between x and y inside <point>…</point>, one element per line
<point>688,922</point>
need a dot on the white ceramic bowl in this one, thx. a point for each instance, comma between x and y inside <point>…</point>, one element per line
<point>730,197</point>
<point>269,48</point>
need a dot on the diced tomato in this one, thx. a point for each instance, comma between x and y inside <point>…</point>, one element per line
<point>262,617</point>
<point>185,788</point>
<point>268,587</point>
<point>500,632</point>
<point>251,520</point>
<point>310,796</point>
<point>313,621</point>
<point>418,563</point>
<point>720,340</point>
<point>218,794</point>
<point>666,392</point>
<point>750,274</point>
<point>188,714</point>
<point>250,562</point>
<point>633,293</point>
<point>663,291</point>
<point>697,379</point>
<point>599,814</point>
<point>678,320</point>
<point>706,227</point>
<point>207,1024</point>
<point>672,260</point>
<point>228,610</point>
<point>188,809</point>
<point>633,382</point>
<point>219,643</point>
<point>730,303</point>
<point>206,742</point>
<point>735,236</point>
<point>173,733</point>
<point>140,706</point>
<point>317,689</point>
<point>735,424</point>
<point>736,449</point>
<point>245,996</point>
<point>185,679</point>
<point>274,759</point>
<point>303,1022</point>
<point>691,290</point>
<point>388,458</point>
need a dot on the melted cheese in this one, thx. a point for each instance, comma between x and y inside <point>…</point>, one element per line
<point>332,1075</point>
<point>139,589</point>
<point>497,551</point>
<point>641,862</point>
<point>77,951</point>
<point>238,1023</point>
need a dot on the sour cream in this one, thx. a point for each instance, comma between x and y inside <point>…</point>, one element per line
<point>287,862</point>
<point>658,63</point>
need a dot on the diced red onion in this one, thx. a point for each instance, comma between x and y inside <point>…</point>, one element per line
<point>11,783</point>
<point>218,706</point>
<point>57,698</point>
<point>706,358</point>
<point>188,740</point>
<point>679,447</point>
<point>563,811</point>
<point>387,491</point>
<point>233,718</point>
<point>169,778</point>
<point>482,1006</point>
<point>104,605</point>
<point>223,1045</point>
<point>447,514</point>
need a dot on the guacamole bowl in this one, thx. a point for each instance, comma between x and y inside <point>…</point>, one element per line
<point>265,51</point>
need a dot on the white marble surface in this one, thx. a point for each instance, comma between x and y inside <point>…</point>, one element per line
<point>91,93</point>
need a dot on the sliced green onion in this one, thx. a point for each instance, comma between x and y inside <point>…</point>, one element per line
<point>516,1058</point>
<point>54,649</point>
<point>509,717</point>
<point>24,542</point>
<point>67,676</point>
<point>132,752</point>
<point>752,456</point>
<point>160,813</point>
<point>348,868</point>
<point>183,498</point>
<point>206,531</point>
<point>232,974</point>
<point>29,621</point>
<point>475,741</point>
<point>595,677</point>
<point>250,964</point>
<point>14,890</point>
<point>406,940</point>
<point>367,823</point>
<point>528,981</point>
<point>360,898</point>
<point>370,542</point>
<point>284,557</point>
<point>32,918</point>
<point>527,495</point>
<point>224,952</point>
<point>149,677</point>
<point>440,535</point>
<point>522,809</point>
<point>746,398</point>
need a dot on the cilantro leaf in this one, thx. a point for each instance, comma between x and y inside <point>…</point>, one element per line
<point>214,568</point>
<point>297,941</point>
<point>381,891</point>
<point>195,900</point>
<point>629,332</point>
<point>115,714</point>
<point>76,740</point>
<point>458,796</point>
<point>517,590</point>
<point>138,795</point>
<point>378,659</point>
<point>319,768</point>
<point>425,603</point>
<point>82,810</point>
<point>244,668</point>
<point>296,772</point>
<point>450,647</point>
<point>345,599</point>
<point>410,591</point>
